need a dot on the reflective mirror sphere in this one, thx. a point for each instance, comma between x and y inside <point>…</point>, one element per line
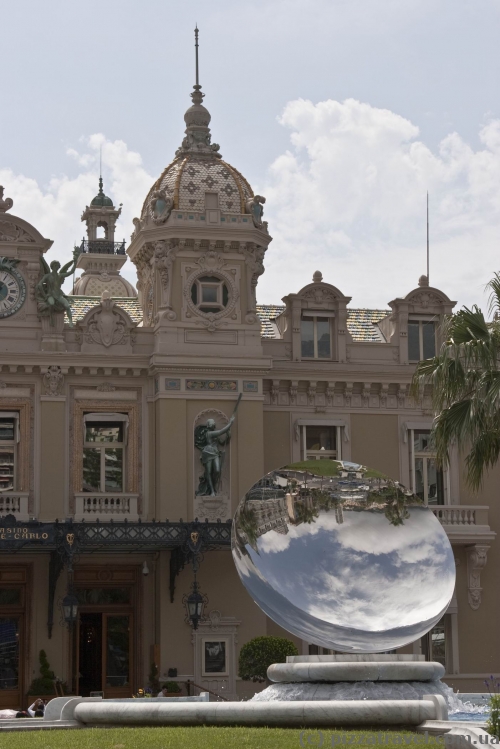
<point>342,556</point>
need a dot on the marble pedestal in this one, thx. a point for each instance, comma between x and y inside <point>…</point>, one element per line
<point>354,677</point>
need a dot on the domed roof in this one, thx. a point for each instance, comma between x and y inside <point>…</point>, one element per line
<point>188,177</point>
<point>198,168</point>
<point>101,199</point>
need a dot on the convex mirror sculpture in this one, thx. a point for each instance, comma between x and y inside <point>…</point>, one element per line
<point>342,556</point>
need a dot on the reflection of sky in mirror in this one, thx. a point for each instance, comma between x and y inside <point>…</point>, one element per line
<point>346,585</point>
<point>376,575</point>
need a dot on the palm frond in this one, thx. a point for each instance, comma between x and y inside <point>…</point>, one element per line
<point>465,382</point>
<point>494,298</point>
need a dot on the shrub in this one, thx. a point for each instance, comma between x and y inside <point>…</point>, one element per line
<point>44,684</point>
<point>493,723</point>
<point>154,682</point>
<point>172,686</point>
<point>258,654</point>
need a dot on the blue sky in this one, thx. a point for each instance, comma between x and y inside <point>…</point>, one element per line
<point>341,112</point>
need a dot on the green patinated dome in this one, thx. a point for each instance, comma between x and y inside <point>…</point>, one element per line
<point>101,198</point>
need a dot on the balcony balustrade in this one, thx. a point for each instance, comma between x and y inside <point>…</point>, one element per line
<point>465,524</point>
<point>99,506</point>
<point>102,247</point>
<point>14,503</point>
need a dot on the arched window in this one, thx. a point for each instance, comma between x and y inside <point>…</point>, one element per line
<point>209,294</point>
<point>102,230</point>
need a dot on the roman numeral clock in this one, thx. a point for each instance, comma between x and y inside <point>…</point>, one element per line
<point>12,288</point>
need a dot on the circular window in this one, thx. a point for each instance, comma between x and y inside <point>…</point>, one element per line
<point>209,294</point>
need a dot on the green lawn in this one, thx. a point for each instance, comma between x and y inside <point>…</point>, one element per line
<point>206,738</point>
<point>329,468</point>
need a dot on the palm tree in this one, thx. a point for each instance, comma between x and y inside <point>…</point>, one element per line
<point>465,379</point>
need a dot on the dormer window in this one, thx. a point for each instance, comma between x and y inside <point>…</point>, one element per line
<point>421,339</point>
<point>316,337</point>
<point>209,294</point>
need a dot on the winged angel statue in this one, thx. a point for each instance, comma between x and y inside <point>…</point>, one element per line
<point>49,294</point>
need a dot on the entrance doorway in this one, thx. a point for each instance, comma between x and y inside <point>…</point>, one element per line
<point>14,581</point>
<point>107,638</point>
<point>105,654</point>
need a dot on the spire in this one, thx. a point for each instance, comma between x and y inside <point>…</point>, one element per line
<point>427,236</point>
<point>197,118</point>
<point>101,199</point>
<point>196,32</point>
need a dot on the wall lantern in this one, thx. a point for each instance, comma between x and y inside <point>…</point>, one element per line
<point>195,604</point>
<point>70,608</point>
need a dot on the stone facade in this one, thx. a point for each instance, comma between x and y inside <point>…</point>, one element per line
<point>316,374</point>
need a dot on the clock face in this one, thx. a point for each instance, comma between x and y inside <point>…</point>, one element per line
<point>12,292</point>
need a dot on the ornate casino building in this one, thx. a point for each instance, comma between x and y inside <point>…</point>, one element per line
<point>102,394</point>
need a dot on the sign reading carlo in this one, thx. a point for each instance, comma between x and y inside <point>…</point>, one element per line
<point>20,533</point>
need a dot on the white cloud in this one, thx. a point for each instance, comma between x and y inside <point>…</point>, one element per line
<point>349,197</point>
<point>55,209</point>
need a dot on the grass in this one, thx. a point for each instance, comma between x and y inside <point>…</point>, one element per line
<point>206,738</point>
<point>329,468</point>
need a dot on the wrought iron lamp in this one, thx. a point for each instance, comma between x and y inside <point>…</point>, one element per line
<point>195,604</point>
<point>70,608</point>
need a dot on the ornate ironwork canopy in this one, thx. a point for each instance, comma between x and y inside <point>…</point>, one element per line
<point>66,540</point>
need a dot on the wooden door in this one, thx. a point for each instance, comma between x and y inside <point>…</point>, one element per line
<point>14,651</point>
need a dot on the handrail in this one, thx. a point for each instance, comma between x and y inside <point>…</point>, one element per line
<point>102,247</point>
<point>190,684</point>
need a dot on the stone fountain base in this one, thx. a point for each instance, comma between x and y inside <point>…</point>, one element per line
<point>354,677</point>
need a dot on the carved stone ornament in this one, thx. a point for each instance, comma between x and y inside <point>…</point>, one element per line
<point>275,391</point>
<point>255,207</point>
<point>425,299</point>
<point>214,264</point>
<point>10,232</point>
<point>5,203</point>
<point>144,263</point>
<point>106,387</point>
<point>107,324</point>
<point>163,262</point>
<point>215,619</point>
<point>53,380</point>
<point>476,561</point>
<point>160,206</point>
<point>138,226</point>
<point>319,294</point>
<point>254,261</point>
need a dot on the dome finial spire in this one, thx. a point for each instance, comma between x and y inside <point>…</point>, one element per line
<point>197,118</point>
<point>196,45</point>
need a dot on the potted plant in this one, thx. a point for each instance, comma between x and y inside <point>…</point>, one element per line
<point>154,681</point>
<point>43,687</point>
<point>493,723</point>
<point>173,689</point>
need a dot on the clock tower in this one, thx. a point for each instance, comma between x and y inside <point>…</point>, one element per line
<point>21,247</point>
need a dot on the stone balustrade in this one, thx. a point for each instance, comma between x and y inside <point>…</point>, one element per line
<point>14,503</point>
<point>101,506</point>
<point>465,524</point>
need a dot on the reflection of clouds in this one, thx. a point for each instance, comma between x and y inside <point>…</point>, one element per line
<point>271,543</point>
<point>351,585</point>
